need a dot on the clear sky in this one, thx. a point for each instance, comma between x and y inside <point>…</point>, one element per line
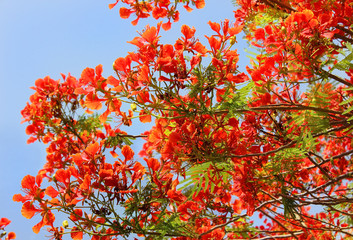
<point>49,37</point>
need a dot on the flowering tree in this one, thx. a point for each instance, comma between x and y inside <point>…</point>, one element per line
<point>225,144</point>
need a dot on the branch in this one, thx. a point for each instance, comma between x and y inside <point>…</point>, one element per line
<point>132,136</point>
<point>344,30</point>
<point>344,38</point>
<point>278,222</point>
<point>291,143</point>
<point>341,177</point>
<point>280,236</point>
<point>338,79</point>
<point>318,201</point>
<point>329,226</point>
<point>264,153</point>
<point>235,219</point>
<point>323,161</point>
<point>283,107</point>
<point>282,5</point>
<point>319,167</point>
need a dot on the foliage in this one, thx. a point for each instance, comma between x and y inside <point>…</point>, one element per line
<point>225,145</point>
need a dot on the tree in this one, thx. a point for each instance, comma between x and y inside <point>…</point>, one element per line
<point>225,144</point>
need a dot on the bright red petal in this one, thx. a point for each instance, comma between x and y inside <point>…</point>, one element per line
<point>153,164</point>
<point>93,102</point>
<point>92,149</point>
<point>145,118</point>
<point>104,116</point>
<point>76,235</point>
<point>28,210</point>
<point>4,222</point>
<point>50,191</point>
<point>127,152</point>
<point>19,198</point>
<point>125,13</point>
<point>28,182</point>
<point>11,235</point>
<point>200,4</point>
<point>36,228</point>
<point>86,182</point>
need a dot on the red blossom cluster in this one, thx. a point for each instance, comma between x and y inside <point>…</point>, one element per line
<point>158,9</point>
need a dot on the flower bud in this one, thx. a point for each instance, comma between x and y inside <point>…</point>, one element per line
<point>65,224</point>
<point>133,107</point>
<point>232,40</point>
<point>283,29</point>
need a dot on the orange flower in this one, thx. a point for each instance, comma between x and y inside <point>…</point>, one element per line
<point>145,117</point>
<point>4,222</point>
<point>93,102</point>
<point>30,185</point>
<point>125,13</point>
<point>199,4</point>
<point>76,234</point>
<point>127,152</point>
<point>153,164</point>
<point>187,31</point>
<point>11,235</point>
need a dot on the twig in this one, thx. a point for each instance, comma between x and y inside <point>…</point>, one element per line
<point>338,79</point>
<point>234,219</point>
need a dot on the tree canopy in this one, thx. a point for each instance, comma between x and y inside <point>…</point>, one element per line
<point>273,143</point>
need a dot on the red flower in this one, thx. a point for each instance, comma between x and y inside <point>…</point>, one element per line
<point>4,222</point>
<point>127,152</point>
<point>30,185</point>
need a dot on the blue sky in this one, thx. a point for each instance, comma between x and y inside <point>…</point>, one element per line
<point>49,37</point>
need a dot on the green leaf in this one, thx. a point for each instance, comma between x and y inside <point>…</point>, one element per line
<point>348,110</point>
<point>346,101</point>
<point>198,174</point>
